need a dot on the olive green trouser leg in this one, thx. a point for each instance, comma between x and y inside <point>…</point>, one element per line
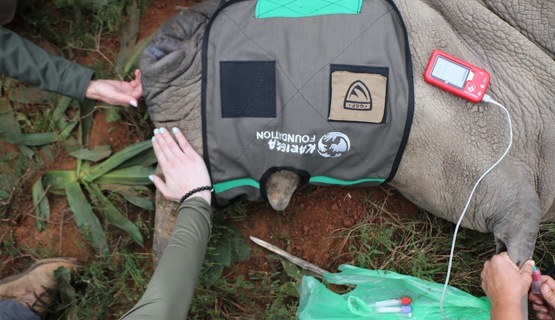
<point>170,291</point>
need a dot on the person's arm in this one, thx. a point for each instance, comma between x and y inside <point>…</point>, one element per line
<point>171,288</point>
<point>23,60</point>
<point>29,63</point>
<point>507,309</point>
<point>170,291</point>
<point>506,286</point>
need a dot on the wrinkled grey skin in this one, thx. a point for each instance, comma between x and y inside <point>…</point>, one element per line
<point>452,142</point>
<point>171,88</point>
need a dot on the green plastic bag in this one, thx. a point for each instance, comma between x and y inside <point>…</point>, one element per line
<point>319,303</point>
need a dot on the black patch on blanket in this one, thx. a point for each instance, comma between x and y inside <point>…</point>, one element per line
<point>248,89</point>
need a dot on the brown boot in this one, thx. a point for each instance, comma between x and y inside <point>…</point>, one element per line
<point>36,287</point>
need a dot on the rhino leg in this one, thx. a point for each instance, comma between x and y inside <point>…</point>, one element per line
<point>516,233</point>
<point>164,220</point>
<point>280,187</point>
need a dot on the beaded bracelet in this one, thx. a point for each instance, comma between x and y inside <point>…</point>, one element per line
<point>190,193</point>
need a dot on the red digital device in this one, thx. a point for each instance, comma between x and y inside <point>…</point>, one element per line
<point>457,76</point>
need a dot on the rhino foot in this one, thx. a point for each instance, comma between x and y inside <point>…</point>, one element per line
<point>518,235</point>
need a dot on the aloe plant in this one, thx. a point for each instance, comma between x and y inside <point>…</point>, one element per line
<point>98,177</point>
<point>123,171</point>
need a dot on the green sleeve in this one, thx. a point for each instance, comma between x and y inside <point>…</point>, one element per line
<point>24,61</point>
<point>170,291</point>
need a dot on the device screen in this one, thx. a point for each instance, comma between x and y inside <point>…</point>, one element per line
<point>450,72</point>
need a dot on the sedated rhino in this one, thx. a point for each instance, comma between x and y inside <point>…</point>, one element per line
<point>451,143</point>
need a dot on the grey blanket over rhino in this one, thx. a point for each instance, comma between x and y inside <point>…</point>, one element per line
<point>451,142</point>
<point>328,97</point>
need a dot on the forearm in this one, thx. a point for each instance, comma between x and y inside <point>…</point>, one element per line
<point>170,291</point>
<point>506,310</point>
<point>28,63</point>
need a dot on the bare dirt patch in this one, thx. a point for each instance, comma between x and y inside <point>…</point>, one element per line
<point>307,228</point>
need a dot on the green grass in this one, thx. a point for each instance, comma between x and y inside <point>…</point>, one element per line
<point>107,288</point>
<point>417,246</point>
<point>8,180</point>
<point>544,253</point>
<point>240,298</point>
<point>16,169</point>
<point>82,21</point>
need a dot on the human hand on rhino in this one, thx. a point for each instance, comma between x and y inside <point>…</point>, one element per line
<point>184,170</point>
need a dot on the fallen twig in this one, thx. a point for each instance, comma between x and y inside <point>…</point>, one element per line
<point>298,261</point>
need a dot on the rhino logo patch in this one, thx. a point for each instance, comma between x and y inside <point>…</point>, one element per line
<point>333,145</point>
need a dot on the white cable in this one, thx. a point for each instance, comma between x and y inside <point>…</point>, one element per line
<point>488,99</point>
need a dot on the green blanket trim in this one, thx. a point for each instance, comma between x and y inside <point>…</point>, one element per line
<point>230,184</point>
<point>305,8</point>
<point>333,181</point>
